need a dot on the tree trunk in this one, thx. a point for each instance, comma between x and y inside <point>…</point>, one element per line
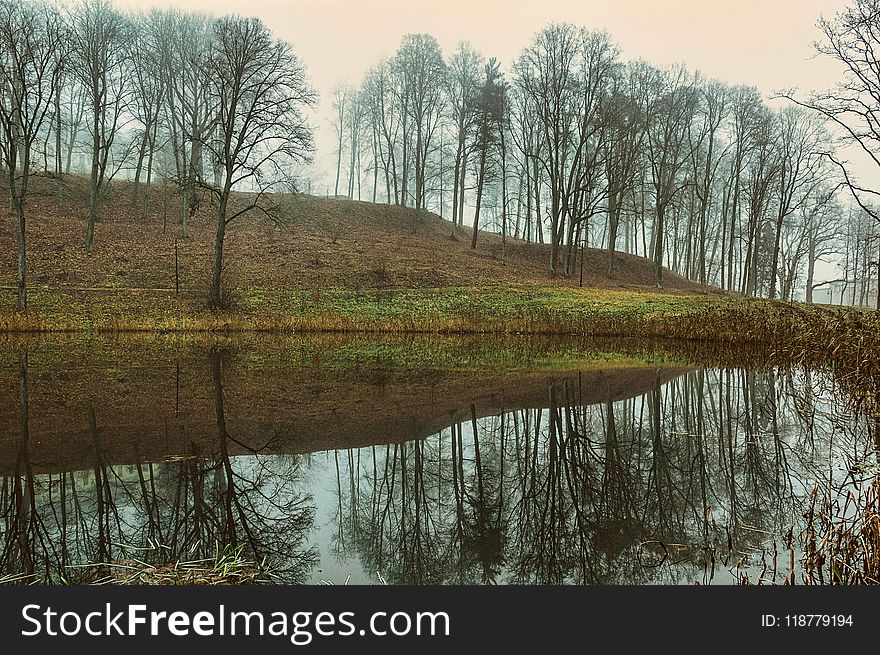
<point>570,254</point>
<point>93,185</point>
<point>877,299</point>
<point>185,203</point>
<point>658,245</point>
<point>142,152</point>
<point>503,198</point>
<point>71,141</point>
<point>480,181</point>
<point>404,184</point>
<point>352,159</point>
<point>776,245</point>
<point>420,168</point>
<point>613,222</point>
<point>519,206</point>
<point>146,205</point>
<point>22,255</point>
<point>217,270</point>
<point>46,151</point>
<point>539,223</point>
<point>375,165</point>
<point>58,181</point>
<point>461,189</point>
<point>386,165</point>
<point>811,269</point>
<point>527,227</point>
<point>455,184</point>
<point>554,227</point>
<point>734,215</point>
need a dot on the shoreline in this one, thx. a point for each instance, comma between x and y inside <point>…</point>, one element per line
<point>539,310</point>
<point>844,339</point>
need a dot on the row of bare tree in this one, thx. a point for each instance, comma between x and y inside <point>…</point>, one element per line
<point>571,146</point>
<point>218,101</point>
<point>574,146</point>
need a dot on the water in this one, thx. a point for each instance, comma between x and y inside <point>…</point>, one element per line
<point>416,461</point>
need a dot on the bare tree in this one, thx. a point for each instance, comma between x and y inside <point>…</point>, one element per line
<point>185,42</point>
<point>821,230</point>
<point>851,39</point>
<point>706,157</point>
<point>565,73</point>
<point>587,185</point>
<point>746,115</point>
<point>853,105</point>
<point>356,128</point>
<point>341,101</point>
<point>545,73</point>
<point>260,88</point>
<point>381,100</point>
<point>861,236</point>
<point>799,142</point>
<point>421,74</point>
<point>72,111</point>
<point>762,173</point>
<point>670,111</point>
<point>462,86</point>
<point>32,47</point>
<point>624,117</point>
<point>101,39</point>
<point>149,86</point>
<point>526,138</point>
<point>487,134</point>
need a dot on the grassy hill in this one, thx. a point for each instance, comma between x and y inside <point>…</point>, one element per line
<point>321,244</point>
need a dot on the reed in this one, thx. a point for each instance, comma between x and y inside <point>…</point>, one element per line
<point>842,537</point>
<point>228,566</point>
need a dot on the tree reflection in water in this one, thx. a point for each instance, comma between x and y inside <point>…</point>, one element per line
<point>700,477</point>
<point>703,479</point>
<point>186,508</point>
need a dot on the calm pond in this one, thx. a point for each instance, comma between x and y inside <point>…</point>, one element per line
<point>416,461</point>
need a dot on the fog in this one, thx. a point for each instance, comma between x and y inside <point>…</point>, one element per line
<point>763,44</point>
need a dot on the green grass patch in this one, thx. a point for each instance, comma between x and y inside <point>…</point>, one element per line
<point>847,340</point>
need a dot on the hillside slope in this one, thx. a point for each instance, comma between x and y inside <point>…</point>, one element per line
<point>154,410</point>
<point>322,244</point>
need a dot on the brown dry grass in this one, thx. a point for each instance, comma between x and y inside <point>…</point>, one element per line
<point>842,536</point>
<point>323,243</point>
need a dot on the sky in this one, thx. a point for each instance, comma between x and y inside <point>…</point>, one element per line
<point>765,43</point>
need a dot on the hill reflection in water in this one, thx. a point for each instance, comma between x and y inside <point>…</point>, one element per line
<point>589,469</point>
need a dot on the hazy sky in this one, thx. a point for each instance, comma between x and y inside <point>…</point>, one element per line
<point>766,43</point>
